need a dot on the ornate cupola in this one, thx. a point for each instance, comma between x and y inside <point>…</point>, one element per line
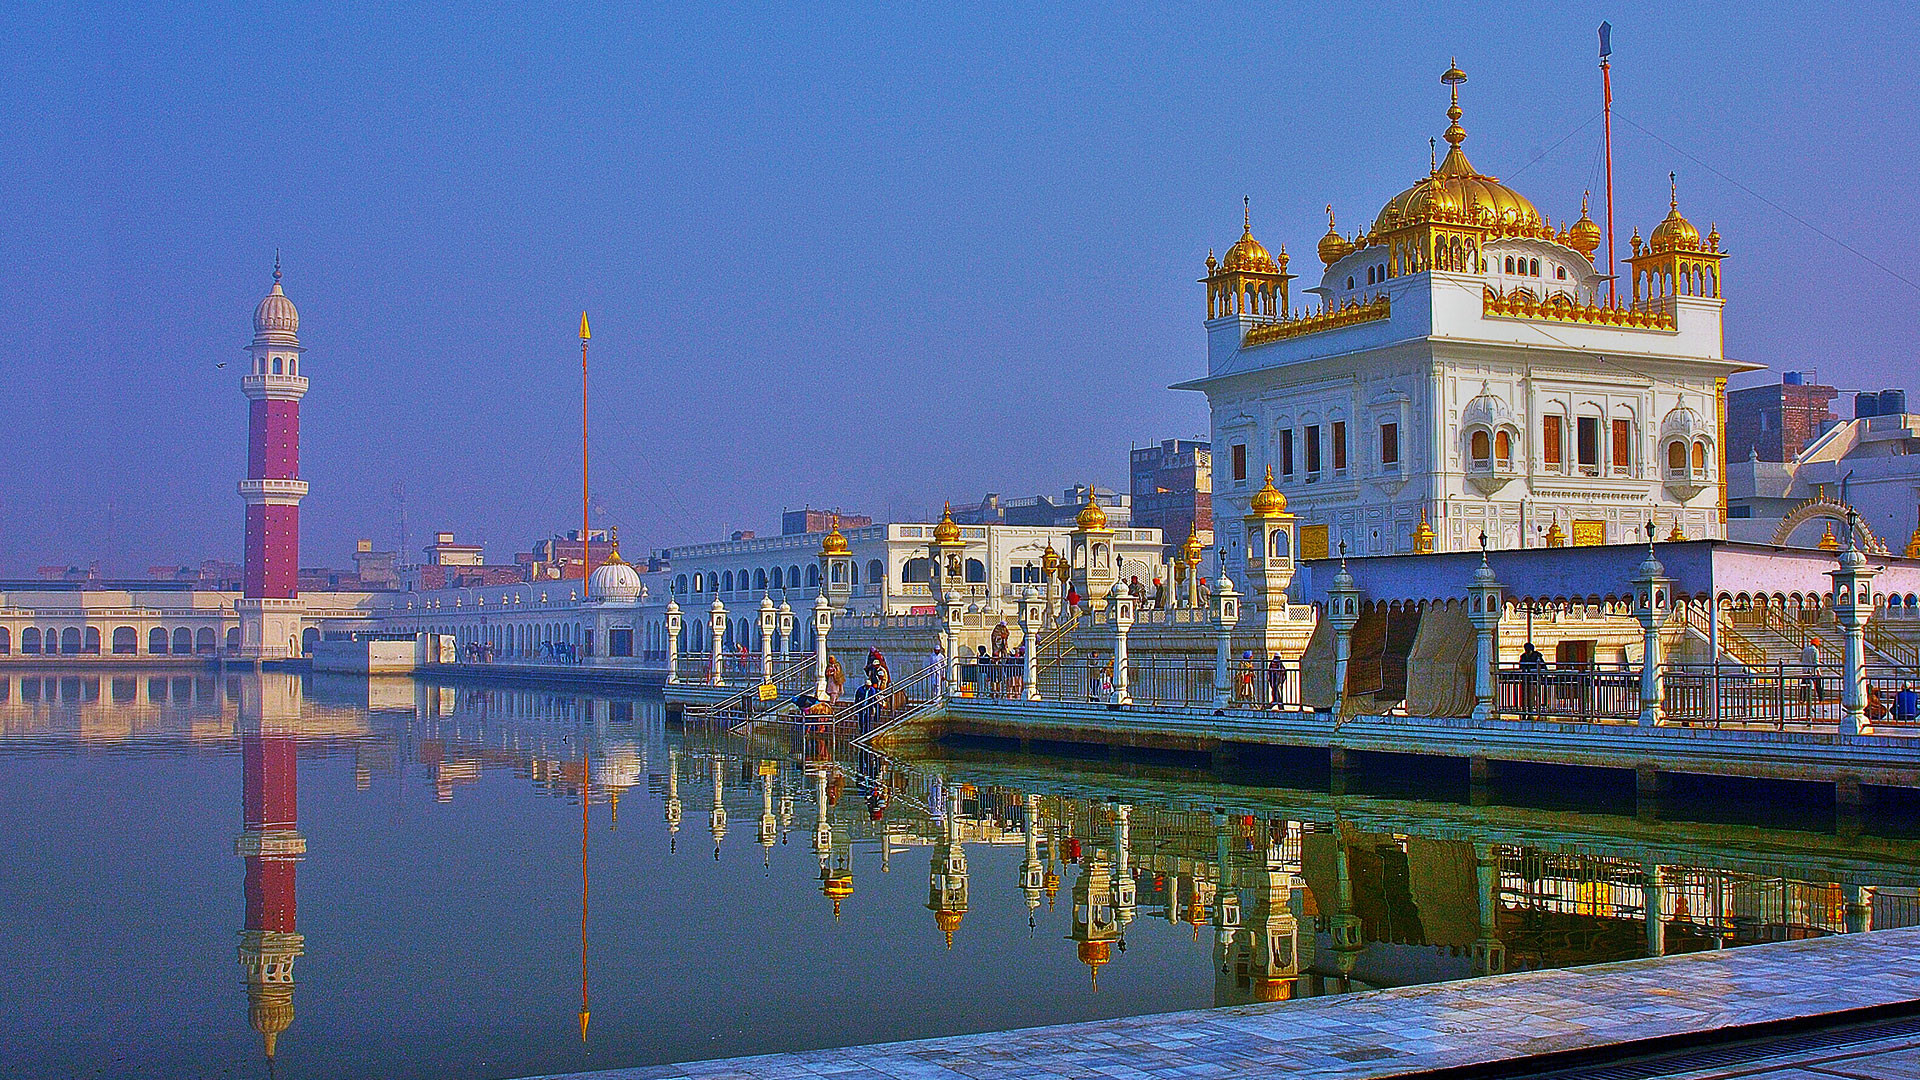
<point>1674,260</point>
<point>836,567</point>
<point>1583,236</point>
<point>1248,281</point>
<point>1333,246</point>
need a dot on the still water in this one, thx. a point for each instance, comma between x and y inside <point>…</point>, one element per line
<point>398,879</point>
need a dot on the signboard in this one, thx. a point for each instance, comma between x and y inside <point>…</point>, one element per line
<point>768,691</point>
<point>1313,542</point>
<point>1589,533</point>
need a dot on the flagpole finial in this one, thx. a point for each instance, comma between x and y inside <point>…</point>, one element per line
<point>584,332</point>
<point>276,266</point>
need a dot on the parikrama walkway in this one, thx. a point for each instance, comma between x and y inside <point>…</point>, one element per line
<point>1509,1025</point>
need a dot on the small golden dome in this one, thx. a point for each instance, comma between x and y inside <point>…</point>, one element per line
<point>1333,246</point>
<point>1555,537</point>
<point>1675,233</point>
<point>1677,533</point>
<point>1268,501</point>
<point>1423,535</point>
<point>1191,550</point>
<point>946,532</point>
<point>834,543</point>
<point>1093,954</point>
<point>1091,516</point>
<point>270,1012</point>
<point>1829,542</point>
<point>1584,235</point>
<point>1247,255</point>
<point>614,559</point>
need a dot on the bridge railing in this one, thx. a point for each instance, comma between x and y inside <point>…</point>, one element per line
<point>1776,695</point>
<point>1568,694</point>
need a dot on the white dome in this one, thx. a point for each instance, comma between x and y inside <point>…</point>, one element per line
<point>1486,408</point>
<point>1683,421</point>
<point>275,320</point>
<point>615,582</point>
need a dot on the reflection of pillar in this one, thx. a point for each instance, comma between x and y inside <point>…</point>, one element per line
<point>1226,613</point>
<point>1032,873</point>
<point>947,873</point>
<point>1653,898</point>
<point>1095,925</point>
<point>1345,925</point>
<point>271,846</point>
<point>717,818</point>
<point>673,800</point>
<point>769,825</point>
<point>1489,954</point>
<point>1859,901</point>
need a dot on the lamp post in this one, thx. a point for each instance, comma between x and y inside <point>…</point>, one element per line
<point>1226,614</point>
<point>822,626</point>
<point>1483,611</point>
<point>1343,611</point>
<point>1852,607</point>
<point>1032,614</point>
<point>768,617</point>
<point>1652,601</point>
<point>1120,603</point>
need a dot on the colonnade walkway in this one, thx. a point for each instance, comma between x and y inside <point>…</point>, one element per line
<point>1550,1019</point>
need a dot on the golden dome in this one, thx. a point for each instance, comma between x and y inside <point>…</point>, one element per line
<point>948,922</point>
<point>1333,246</point>
<point>1829,542</point>
<point>1555,537</point>
<point>1247,255</point>
<point>1423,535</point>
<point>1191,550</point>
<point>1584,235</point>
<point>1677,533</point>
<point>1455,192</point>
<point>834,543</point>
<point>946,532</point>
<point>270,1012</point>
<point>1675,233</point>
<point>1091,516</point>
<point>1093,954</point>
<point>838,885</point>
<point>1268,501</point>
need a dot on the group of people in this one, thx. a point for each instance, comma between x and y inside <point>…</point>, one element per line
<point>1161,595</point>
<point>482,652</point>
<point>1260,684</point>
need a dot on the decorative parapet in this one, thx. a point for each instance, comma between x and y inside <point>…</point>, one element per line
<point>1522,304</point>
<point>1353,314</point>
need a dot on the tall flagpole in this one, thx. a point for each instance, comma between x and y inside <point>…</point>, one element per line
<point>586,545</point>
<point>1606,90</point>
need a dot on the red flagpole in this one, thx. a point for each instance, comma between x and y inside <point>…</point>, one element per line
<point>1606,89</point>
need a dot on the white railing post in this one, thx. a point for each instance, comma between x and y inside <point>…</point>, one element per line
<point>717,653</point>
<point>822,626</point>
<point>1852,607</point>
<point>1226,614</point>
<point>673,641</point>
<point>1343,611</point>
<point>1032,614</point>
<point>786,620</point>
<point>1483,611</point>
<point>1652,602</point>
<point>767,619</point>
<point>1120,603</point>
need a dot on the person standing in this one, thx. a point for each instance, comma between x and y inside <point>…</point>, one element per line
<point>1276,679</point>
<point>836,678</point>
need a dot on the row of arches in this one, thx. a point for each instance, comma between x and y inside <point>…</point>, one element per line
<point>517,640</point>
<point>121,641</point>
<point>764,580</point>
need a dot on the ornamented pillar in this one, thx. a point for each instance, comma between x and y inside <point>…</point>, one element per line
<point>1269,555</point>
<point>1226,615</point>
<point>1343,611</point>
<point>767,619</point>
<point>1090,552</point>
<point>1120,607</point>
<point>673,641</point>
<point>1032,615</point>
<point>1852,607</point>
<point>822,626</point>
<point>1652,603</point>
<point>836,568</point>
<point>1483,611</point>
<point>786,632</point>
<point>717,633</point>
<point>270,609</point>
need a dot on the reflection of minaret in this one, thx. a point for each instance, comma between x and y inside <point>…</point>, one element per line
<point>1095,927</point>
<point>947,873</point>
<point>271,845</point>
<point>1345,924</point>
<point>586,803</point>
<point>1032,872</point>
<point>673,801</point>
<point>717,818</point>
<point>769,825</point>
<point>1124,893</point>
<point>1489,954</point>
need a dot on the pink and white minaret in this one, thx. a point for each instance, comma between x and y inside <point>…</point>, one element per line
<point>270,608</point>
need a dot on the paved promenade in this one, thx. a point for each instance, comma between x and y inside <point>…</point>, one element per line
<point>1413,1030</point>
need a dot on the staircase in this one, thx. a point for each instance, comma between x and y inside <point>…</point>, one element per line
<point>1780,639</point>
<point>1732,642</point>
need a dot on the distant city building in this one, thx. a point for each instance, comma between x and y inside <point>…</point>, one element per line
<point>444,552</point>
<point>1870,464</point>
<point>800,522</point>
<point>558,557</point>
<point>375,569</point>
<point>1045,512</point>
<point>56,572</point>
<point>1777,421</point>
<point>1172,486</point>
<point>213,574</point>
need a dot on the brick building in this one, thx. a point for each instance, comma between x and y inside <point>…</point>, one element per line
<point>1777,421</point>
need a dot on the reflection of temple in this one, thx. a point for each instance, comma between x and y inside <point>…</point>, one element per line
<point>271,845</point>
<point>947,873</point>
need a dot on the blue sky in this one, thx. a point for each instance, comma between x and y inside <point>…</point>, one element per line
<point>869,257</point>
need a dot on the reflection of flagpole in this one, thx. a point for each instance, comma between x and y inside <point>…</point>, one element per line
<point>586,775</point>
<point>586,548</point>
<point>1606,91</point>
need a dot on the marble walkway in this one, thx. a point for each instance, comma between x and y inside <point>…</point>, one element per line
<point>1411,1030</point>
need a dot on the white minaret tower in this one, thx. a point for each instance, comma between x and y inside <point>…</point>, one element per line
<point>270,608</point>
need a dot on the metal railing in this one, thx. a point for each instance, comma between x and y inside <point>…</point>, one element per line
<point>1775,695</point>
<point>1730,640</point>
<point>1900,651</point>
<point>745,704</point>
<point>898,703</point>
<point>1568,694</point>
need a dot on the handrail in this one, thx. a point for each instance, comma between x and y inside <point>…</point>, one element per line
<point>925,682</point>
<point>1056,645</point>
<point>1729,639</point>
<point>1896,649</point>
<point>740,697</point>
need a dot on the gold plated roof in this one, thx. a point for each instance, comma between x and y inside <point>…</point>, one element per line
<point>1455,192</point>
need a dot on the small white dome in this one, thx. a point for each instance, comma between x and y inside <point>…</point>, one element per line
<point>615,582</point>
<point>275,320</point>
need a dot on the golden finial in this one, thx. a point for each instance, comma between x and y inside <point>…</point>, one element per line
<point>947,531</point>
<point>1453,77</point>
<point>1829,542</point>
<point>1433,155</point>
<point>584,332</point>
<point>1673,188</point>
<point>1676,534</point>
<point>1212,263</point>
<point>1423,535</point>
<point>1913,543</point>
<point>1555,537</point>
<point>1246,208</point>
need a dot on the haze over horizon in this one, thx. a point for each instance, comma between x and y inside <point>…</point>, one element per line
<point>830,259</point>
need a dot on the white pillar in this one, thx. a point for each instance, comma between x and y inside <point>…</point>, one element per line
<point>1483,610</point>
<point>767,617</point>
<point>1343,611</point>
<point>673,641</point>
<point>822,625</point>
<point>1032,613</point>
<point>1120,604</point>
<point>1652,602</point>
<point>1226,613</point>
<point>717,653</point>
<point>1852,607</point>
<point>786,632</point>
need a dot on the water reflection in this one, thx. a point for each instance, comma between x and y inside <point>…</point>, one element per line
<point>1179,890</point>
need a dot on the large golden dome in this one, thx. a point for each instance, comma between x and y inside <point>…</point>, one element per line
<point>1454,192</point>
<point>1091,516</point>
<point>947,531</point>
<point>1248,255</point>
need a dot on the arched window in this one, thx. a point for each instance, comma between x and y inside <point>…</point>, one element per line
<point>1509,264</point>
<point>203,640</point>
<point>813,575</point>
<point>713,581</point>
<point>774,578</point>
<point>876,571</point>
<point>726,581</point>
<point>90,641</point>
<point>70,641</point>
<point>6,645</point>
<point>1479,449</point>
<point>126,641</point>
<point>1503,448</point>
<point>276,365</point>
<point>853,569</point>
<point>793,577</point>
<point>1700,456</point>
<point>1677,458</point>
<point>1533,267</point>
<point>1349,281</point>
<point>917,571</point>
<point>30,640</point>
<point>760,580</point>
<point>1560,272</point>
<point>157,641</point>
<point>976,571</point>
<point>838,572</point>
<point>680,583</point>
<point>182,641</point>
